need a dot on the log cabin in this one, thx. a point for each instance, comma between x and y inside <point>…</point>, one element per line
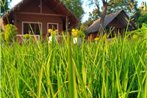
<point>35,17</point>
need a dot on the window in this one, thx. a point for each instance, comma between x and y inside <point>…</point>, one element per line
<point>53,26</point>
<point>32,28</point>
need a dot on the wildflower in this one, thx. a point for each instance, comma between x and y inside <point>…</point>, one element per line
<point>97,38</point>
<point>135,36</point>
<point>52,32</point>
<point>75,32</point>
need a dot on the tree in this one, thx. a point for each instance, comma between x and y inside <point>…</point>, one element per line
<point>93,15</point>
<point>142,19</point>
<point>74,6</point>
<point>128,6</point>
<point>4,4</point>
<point>143,14</point>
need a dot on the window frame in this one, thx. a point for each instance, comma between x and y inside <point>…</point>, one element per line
<point>28,22</point>
<point>52,24</point>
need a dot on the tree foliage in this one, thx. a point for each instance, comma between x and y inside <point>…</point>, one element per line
<point>129,6</point>
<point>109,6</point>
<point>143,16</point>
<point>4,5</point>
<point>74,6</point>
<point>9,33</point>
<point>94,15</point>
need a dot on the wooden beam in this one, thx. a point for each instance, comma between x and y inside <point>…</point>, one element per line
<point>40,6</point>
<point>66,24</point>
<point>43,14</point>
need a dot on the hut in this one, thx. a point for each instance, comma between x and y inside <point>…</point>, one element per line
<point>118,22</point>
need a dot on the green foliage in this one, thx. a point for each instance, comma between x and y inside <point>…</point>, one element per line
<point>144,29</point>
<point>94,15</point>
<point>129,6</point>
<point>86,24</point>
<point>9,33</point>
<point>4,4</point>
<point>142,16</point>
<point>78,33</point>
<point>75,6</point>
<point>81,34</point>
<point>142,19</point>
<point>139,33</point>
<point>26,36</point>
<point>116,69</point>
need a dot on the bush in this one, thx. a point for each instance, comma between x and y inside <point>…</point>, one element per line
<point>142,19</point>
<point>9,33</point>
<point>139,33</point>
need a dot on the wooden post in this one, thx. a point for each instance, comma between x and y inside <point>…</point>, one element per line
<point>66,23</point>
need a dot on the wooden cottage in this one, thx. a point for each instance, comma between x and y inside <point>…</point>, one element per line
<point>37,16</point>
<point>117,22</point>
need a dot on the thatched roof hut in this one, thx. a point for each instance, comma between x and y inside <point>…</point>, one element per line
<point>118,20</point>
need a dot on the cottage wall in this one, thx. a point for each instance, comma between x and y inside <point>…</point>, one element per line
<point>44,20</point>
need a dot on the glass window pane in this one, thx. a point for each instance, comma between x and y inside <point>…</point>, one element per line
<point>31,28</point>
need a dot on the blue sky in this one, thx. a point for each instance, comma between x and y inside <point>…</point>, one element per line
<point>85,5</point>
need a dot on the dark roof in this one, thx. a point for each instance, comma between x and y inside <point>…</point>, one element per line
<point>57,5</point>
<point>108,19</point>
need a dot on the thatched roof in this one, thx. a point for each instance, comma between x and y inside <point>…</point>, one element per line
<point>108,19</point>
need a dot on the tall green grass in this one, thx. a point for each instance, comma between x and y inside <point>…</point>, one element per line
<point>103,69</point>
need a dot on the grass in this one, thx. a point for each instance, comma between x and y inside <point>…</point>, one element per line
<point>116,69</point>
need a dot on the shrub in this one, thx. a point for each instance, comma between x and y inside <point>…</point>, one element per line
<point>9,33</point>
<point>144,29</point>
<point>139,33</point>
<point>142,19</point>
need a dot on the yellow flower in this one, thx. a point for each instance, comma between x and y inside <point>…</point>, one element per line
<point>135,36</point>
<point>75,32</point>
<point>50,30</point>
<point>97,38</point>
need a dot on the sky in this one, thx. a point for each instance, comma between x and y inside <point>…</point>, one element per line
<point>85,6</point>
